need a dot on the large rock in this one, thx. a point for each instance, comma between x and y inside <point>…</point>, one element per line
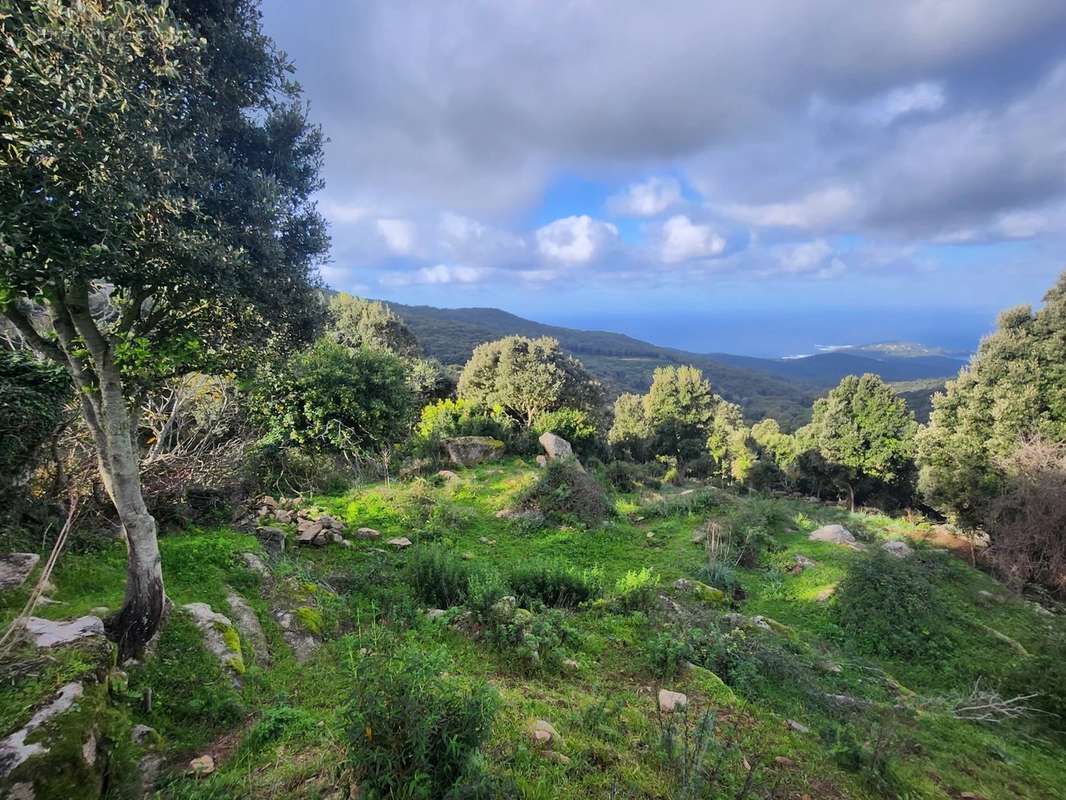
<point>897,548</point>
<point>273,539</point>
<point>220,636</point>
<point>248,624</point>
<point>49,633</point>
<point>669,702</point>
<point>14,749</point>
<point>15,568</point>
<point>555,446</point>
<point>834,534</point>
<point>303,644</point>
<point>466,451</point>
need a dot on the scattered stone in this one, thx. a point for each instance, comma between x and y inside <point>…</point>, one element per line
<point>467,556</point>
<point>784,761</point>
<point>466,451</point>
<point>345,543</point>
<point>15,568</point>
<point>701,591</point>
<point>303,644</point>
<point>14,750</point>
<point>801,562</point>
<point>798,727</point>
<point>283,516</point>
<point>220,637</point>
<point>255,564</point>
<point>202,766</point>
<point>544,734</point>
<point>834,534</point>
<point>669,702</point>
<point>542,461</point>
<point>367,533</point>
<point>897,548</point>
<point>307,532</point>
<point>435,613</point>
<point>273,539</point>
<point>49,633</point>
<point>248,624</point>
<point>555,446</point>
<point>570,665</point>
<point>558,758</point>
<point>448,475</point>
<point>268,501</point>
<point>141,735</point>
<point>336,537</point>
<point>400,542</point>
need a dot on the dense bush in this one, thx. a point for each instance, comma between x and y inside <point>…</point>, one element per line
<point>889,607</point>
<point>566,494</point>
<point>414,733</point>
<point>577,426</point>
<point>439,577</point>
<point>627,477</point>
<point>1044,674</point>
<point>554,585</point>
<point>32,396</point>
<point>665,654</point>
<point>335,398</point>
<point>447,418</point>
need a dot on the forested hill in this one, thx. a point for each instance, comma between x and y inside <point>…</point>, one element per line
<point>779,388</point>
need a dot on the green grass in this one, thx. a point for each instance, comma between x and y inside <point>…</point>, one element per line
<point>289,717</point>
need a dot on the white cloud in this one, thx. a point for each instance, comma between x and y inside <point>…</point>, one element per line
<point>646,199</point>
<point>438,274</point>
<point>399,235</point>
<point>459,228</point>
<point>684,240</point>
<point>925,97</point>
<point>805,256</point>
<point>344,213</point>
<point>816,209</point>
<point>575,240</point>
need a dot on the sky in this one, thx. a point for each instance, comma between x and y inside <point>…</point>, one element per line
<point>758,176</point>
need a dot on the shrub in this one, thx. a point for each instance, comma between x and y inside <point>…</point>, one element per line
<point>637,589</point>
<point>534,639</point>
<point>1043,673</point>
<point>447,418</point>
<point>412,732</point>
<point>565,493</point>
<point>439,577</point>
<point>626,476</point>
<point>575,425</point>
<point>554,585</point>
<point>665,654</point>
<point>890,608</point>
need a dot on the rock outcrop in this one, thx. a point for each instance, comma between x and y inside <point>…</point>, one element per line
<point>15,568</point>
<point>466,451</point>
<point>834,534</point>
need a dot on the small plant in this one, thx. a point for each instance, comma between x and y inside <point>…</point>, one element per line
<point>555,585</point>
<point>637,589</point>
<point>890,608</point>
<point>413,733</point>
<point>439,577</point>
<point>666,654</point>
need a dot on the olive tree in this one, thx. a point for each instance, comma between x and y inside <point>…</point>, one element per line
<point>864,432</point>
<point>155,175</point>
<point>528,377</point>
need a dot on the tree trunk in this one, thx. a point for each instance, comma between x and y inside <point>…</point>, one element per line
<point>138,620</point>
<point>851,498</point>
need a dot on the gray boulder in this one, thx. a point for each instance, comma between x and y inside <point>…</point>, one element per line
<point>555,446</point>
<point>834,534</point>
<point>273,539</point>
<point>15,568</point>
<point>14,749</point>
<point>220,636</point>
<point>248,624</point>
<point>897,548</point>
<point>466,451</point>
<point>48,633</point>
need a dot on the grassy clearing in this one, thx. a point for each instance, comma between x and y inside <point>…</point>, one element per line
<point>598,663</point>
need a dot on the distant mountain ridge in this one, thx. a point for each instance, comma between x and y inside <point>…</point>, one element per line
<point>779,388</point>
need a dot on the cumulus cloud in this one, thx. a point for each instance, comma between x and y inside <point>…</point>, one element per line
<point>817,209</point>
<point>684,240</point>
<point>574,241</point>
<point>437,274</point>
<point>646,199</point>
<point>399,235</point>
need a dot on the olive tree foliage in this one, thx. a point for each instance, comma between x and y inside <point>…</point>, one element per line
<point>679,409</point>
<point>358,323</point>
<point>1013,389</point>
<point>528,378</point>
<point>865,434</point>
<point>156,168</point>
<point>630,432</point>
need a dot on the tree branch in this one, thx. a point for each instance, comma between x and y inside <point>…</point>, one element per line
<point>37,342</point>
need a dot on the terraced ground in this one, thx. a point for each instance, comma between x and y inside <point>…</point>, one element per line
<point>797,709</point>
